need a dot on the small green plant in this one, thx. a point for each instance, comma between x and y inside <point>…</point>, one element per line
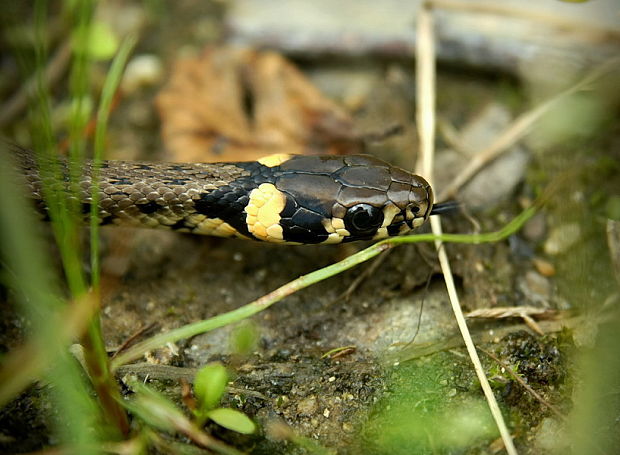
<point>158,412</point>
<point>209,386</point>
<point>499,377</point>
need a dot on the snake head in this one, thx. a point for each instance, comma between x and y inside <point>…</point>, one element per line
<point>334,199</point>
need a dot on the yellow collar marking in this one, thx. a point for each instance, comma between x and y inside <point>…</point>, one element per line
<point>274,160</point>
<point>263,213</point>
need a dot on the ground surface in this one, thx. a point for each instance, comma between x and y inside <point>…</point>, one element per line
<point>382,396</point>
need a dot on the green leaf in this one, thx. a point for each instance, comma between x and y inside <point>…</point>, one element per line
<point>155,409</point>
<point>100,44</point>
<point>233,420</point>
<point>209,385</point>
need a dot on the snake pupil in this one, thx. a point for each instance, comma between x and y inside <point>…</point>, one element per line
<point>363,218</point>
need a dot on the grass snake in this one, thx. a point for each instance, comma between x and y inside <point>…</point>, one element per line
<point>295,199</point>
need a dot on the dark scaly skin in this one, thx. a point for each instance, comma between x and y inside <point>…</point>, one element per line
<point>296,199</point>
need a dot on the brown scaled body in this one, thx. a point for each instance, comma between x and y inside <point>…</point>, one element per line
<point>281,199</point>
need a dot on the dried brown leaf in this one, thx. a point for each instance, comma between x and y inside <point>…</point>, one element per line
<point>235,105</point>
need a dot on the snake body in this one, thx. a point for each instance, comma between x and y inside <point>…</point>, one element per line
<point>294,199</point>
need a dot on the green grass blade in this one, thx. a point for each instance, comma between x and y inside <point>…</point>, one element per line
<point>107,95</point>
<point>266,301</point>
<point>37,295</point>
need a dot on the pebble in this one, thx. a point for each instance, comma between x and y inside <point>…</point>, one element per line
<point>497,181</point>
<point>308,406</point>
<point>562,238</point>
<point>142,71</point>
<point>536,288</point>
<point>535,228</point>
<point>545,268</point>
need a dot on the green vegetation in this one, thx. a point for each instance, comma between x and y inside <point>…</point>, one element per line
<point>423,413</point>
<point>158,412</point>
<point>209,386</point>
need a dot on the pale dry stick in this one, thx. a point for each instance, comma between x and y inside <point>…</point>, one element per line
<point>519,128</point>
<point>452,137</point>
<point>587,30</point>
<point>425,90</point>
<point>53,71</point>
<point>526,313</point>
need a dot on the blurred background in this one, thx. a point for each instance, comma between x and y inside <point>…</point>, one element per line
<point>229,80</point>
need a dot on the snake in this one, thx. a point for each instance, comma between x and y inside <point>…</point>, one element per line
<point>286,199</point>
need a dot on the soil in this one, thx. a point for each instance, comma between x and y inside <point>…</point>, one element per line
<point>361,401</point>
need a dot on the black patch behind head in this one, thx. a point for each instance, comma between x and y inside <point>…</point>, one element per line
<point>300,224</point>
<point>228,202</point>
<point>224,204</point>
<point>301,235</point>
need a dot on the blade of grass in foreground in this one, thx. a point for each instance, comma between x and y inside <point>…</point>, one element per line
<point>35,287</point>
<point>107,95</point>
<point>37,296</point>
<point>94,347</point>
<point>64,210</point>
<point>266,301</point>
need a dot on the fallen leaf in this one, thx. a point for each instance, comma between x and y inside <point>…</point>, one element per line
<point>239,105</point>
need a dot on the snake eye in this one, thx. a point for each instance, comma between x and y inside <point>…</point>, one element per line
<point>363,219</point>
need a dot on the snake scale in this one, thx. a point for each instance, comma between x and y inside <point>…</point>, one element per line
<point>295,199</point>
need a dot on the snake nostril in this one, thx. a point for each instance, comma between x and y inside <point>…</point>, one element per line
<point>415,209</point>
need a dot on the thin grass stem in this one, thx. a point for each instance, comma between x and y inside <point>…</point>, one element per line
<point>304,281</point>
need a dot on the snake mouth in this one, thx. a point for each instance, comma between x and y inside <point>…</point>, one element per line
<point>403,225</point>
<point>400,228</point>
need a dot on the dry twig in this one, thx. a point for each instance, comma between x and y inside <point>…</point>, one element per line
<point>519,128</point>
<point>425,89</point>
<point>526,313</point>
